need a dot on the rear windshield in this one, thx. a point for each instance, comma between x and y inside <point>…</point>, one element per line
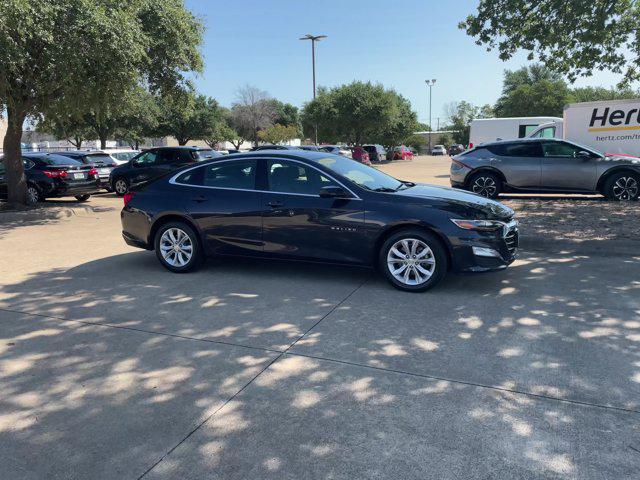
<point>55,160</point>
<point>99,158</point>
<point>205,154</point>
<point>124,156</point>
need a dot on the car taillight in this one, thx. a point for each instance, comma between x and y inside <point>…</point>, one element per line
<point>460,164</point>
<point>93,172</point>
<point>128,197</point>
<point>63,174</point>
<point>55,173</point>
<point>470,146</point>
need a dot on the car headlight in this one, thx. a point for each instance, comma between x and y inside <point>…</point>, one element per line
<point>482,225</point>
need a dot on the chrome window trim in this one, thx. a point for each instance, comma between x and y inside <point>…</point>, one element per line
<point>173,181</point>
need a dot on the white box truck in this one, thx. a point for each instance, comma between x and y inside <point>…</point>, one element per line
<point>608,126</point>
<point>492,129</point>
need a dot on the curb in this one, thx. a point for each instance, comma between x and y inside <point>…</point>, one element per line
<point>604,248</point>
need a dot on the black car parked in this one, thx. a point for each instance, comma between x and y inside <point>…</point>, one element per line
<point>154,163</point>
<point>315,206</point>
<point>51,175</point>
<point>100,160</point>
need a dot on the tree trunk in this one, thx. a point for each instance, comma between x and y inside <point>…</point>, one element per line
<point>77,142</point>
<point>14,168</point>
<point>103,142</point>
<point>182,141</point>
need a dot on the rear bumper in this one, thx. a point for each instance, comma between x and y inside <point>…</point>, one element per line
<point>72,191</point>
<point>132,241</point>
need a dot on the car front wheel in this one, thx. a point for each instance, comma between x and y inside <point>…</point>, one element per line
<point>413,260</point>
<point>178,247</point>
<point>120,186</point>
<point>622,186</point>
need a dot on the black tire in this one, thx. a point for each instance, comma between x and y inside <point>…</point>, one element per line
<point>34,195</point>
<point>197,256</point>
<point>120,186</point>
<point>487,184</point>
<point>622,186</point>
<point>438,254</point>
<point>82,198</point>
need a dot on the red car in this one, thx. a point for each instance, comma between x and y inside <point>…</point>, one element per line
<point>402,153</point>
<point>360,154</point>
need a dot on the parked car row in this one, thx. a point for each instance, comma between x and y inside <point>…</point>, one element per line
<point>51,175</point>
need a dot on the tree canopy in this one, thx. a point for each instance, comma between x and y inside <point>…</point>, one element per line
<point>532,90</point>
<point>358,113</point>
<point>86,52</point>
<point>574,38</point>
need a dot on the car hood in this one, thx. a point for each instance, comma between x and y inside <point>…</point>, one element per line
<point>465,200</point>
<point>622,158</point>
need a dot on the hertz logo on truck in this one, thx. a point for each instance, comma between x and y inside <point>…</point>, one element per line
<point>609,120</point>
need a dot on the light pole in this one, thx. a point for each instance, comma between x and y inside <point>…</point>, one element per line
<point>430,83</point>
<point>314,39</point>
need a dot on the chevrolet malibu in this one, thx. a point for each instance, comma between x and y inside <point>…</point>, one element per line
<point>318,207</point>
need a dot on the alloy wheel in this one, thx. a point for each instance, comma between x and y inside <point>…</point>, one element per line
<point>625,188</point>
<point>176,247</point>
<point>411,261</point>
<point>120,186</point>
<point>485,186</point>
<point>32,195</point>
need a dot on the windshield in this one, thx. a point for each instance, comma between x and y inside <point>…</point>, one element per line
<point>362,175</point>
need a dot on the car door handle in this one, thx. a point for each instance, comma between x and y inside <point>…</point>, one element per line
<point>199,199</point>
<point>275,204</point>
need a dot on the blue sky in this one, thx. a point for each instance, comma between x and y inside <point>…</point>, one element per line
<point>398,43</point>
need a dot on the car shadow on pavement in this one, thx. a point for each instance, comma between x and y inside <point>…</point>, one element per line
<point>388,384</point>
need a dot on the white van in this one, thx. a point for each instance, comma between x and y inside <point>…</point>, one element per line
<point>608,126</point>
<point>492,129</point>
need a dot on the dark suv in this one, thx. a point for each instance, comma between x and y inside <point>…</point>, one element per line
<point>154,163</point>
<point>377,153</point>
<point>51,175</point>
<point>100,160</point>
<point>545,165</point>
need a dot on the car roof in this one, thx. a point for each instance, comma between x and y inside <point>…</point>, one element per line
<point>528,140</point>
<point>40,155</point>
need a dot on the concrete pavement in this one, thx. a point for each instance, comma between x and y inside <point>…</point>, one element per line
<point>111,367</point>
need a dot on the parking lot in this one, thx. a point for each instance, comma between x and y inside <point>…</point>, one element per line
<point>112,367</point>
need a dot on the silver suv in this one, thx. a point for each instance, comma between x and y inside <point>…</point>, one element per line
<point>545,165</point>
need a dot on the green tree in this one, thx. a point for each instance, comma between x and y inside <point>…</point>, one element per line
<point>532,91</point>
<point>79,51</point>
<point>459,116</point>
<point>571,37</point>
<point>140,120</point>
<point>67,126</point>
<point>220,130</point>
<point>592,94</point>
<point>187,116</point>
<point>358,113</point>
<point>278,133</point>
<point>419,142</point>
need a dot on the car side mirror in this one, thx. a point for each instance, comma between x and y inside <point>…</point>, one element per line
<point>333,192</point>
<point>584,154</point>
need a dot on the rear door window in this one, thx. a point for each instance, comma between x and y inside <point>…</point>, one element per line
<point>560,149</point>
<point>236,175</point>
<point>529,149</point>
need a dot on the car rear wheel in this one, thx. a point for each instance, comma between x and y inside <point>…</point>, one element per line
<point>120,186</point>
<point>178,247</point>
<point>82,198</point>
<point>486,184</point>
<point>623,186</point>
<point>413,260</point>
<point>33,195</point>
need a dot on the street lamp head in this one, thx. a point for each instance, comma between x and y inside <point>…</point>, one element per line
<point>313,38</point>
<point>430,82</point>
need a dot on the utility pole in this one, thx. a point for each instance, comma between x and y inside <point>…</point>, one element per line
<point>430,83</point>
<point>314,39</point>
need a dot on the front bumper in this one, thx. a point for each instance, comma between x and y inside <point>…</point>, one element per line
<point>504,244</point>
